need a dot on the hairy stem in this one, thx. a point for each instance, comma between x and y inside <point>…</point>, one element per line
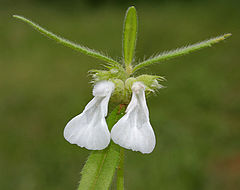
<point>99,170</point>
<point>120,171</point>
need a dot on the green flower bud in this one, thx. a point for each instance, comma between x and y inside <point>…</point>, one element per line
<point>112,72</point>
<point>118,94</point>
<point>119,86</point>
<point>99,75</point>
<point>129,82</point>
<point>151,82</point>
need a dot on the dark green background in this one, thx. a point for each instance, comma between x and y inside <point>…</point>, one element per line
<point>43,85</point>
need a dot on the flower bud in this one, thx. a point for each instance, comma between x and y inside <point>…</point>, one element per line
<point>119,92</point>
<point>129,82</point>
<point>151,82</point>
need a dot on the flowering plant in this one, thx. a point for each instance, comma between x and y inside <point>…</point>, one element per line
<point>128,125</point>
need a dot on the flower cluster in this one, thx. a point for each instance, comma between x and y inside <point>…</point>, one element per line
<point>133,131</point>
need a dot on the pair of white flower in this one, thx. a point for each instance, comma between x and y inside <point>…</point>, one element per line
<point>133,131</point>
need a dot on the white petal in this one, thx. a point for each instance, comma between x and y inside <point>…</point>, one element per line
<point>133,130</point>
<point>104,89</point>
<point>89,129</point>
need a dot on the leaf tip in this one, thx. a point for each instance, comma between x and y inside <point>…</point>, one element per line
<point>18,17</point>
<point>223,37</point>
<point>132,8</point>
<point>227,35</point>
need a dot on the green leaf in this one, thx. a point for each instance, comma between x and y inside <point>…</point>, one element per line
<point>98,172</point>
<point>129,36</point>
<point>180,51</point>
<point>120,171</point>
<point>77,47</point>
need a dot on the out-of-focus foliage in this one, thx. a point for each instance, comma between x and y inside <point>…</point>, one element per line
<point>43,85</point>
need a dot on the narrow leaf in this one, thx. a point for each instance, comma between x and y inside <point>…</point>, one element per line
<point>180,51</point>
<point>129,35</point>
<point>82,49</point>
<point>100,167</point>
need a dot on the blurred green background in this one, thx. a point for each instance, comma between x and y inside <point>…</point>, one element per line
<point>43,85</point>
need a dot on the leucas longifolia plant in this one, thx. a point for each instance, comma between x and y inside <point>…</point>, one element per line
<point>128,125</point>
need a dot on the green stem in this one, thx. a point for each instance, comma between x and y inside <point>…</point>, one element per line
<point>120,171</point>
<point>180,51</point>
<point>67,43</point>
<point>99,170</point>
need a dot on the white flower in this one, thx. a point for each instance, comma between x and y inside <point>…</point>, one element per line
<point>133,130</point>
<point>89,129</point>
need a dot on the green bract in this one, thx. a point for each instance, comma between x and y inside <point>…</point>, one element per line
<point>122,92</point>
